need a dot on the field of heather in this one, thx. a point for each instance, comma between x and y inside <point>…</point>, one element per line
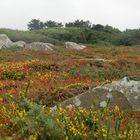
<point>31,82</point>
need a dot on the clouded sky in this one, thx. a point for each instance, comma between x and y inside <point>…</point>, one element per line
<point>121,14</point>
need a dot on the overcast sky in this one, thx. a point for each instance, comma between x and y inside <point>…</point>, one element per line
<point>121,14</point>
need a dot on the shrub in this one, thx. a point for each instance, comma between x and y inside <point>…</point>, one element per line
<point>28,120</point>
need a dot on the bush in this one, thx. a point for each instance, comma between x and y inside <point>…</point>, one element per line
<point>28,120</point>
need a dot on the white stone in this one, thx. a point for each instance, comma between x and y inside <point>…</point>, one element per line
<point>73,45</point>
<point>103,104</point>
<point>77,102</point>
<point>70,106</point>
<point>40,46</point>
<point>5,42</point>
<point>19,44</point>
<point>110,90</point>
<point>109,95</point>
<point>54,108</point>
<point>136,97</point>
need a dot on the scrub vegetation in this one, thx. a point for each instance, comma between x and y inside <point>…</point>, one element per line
<point>32,82</point>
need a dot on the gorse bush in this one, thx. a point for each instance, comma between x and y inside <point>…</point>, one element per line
<point>27,120</point>
<point>24,119</point>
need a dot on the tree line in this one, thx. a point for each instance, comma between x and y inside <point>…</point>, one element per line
<point>36,24</point>
<point>79,31</point>
<point>85,31</point>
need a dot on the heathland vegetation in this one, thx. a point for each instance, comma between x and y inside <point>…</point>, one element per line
<point>32,82</point>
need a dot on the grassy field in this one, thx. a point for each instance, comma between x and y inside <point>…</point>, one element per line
<point>33,81</point>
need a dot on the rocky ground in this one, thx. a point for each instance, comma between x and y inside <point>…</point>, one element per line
<point>124,93</point>
<point>5,42</point>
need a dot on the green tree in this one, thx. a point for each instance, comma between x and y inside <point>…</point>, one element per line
<point>35,24</point>
<point>79,23</point>
<point>51,23</point>
<point>110,29</point>
<point>98,27</point>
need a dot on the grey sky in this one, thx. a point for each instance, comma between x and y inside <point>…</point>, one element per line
<point>118,13</point>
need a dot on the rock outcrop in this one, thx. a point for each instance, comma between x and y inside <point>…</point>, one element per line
<point>129,88</point>
<point>5,42</point>
<point>40,46</point>
<point>124,93</point>
<point>72,45</point>
<point>21,44</point>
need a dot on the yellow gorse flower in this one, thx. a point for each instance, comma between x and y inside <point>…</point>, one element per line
<point>95,119</point>
<point>104,132</point>
<point>21,114</point>
<point>116,109</point>
<point>1,99</point>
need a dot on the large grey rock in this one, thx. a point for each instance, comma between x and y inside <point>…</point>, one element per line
<point>99,97</point>
<point>40,46</point>
<point>5,42</point>
<point>19,44</point>
<point>124,93</point>
<point>129,88</point>
<point>72,45</point>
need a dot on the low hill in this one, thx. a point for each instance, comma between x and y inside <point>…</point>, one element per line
<point>57,36</point>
